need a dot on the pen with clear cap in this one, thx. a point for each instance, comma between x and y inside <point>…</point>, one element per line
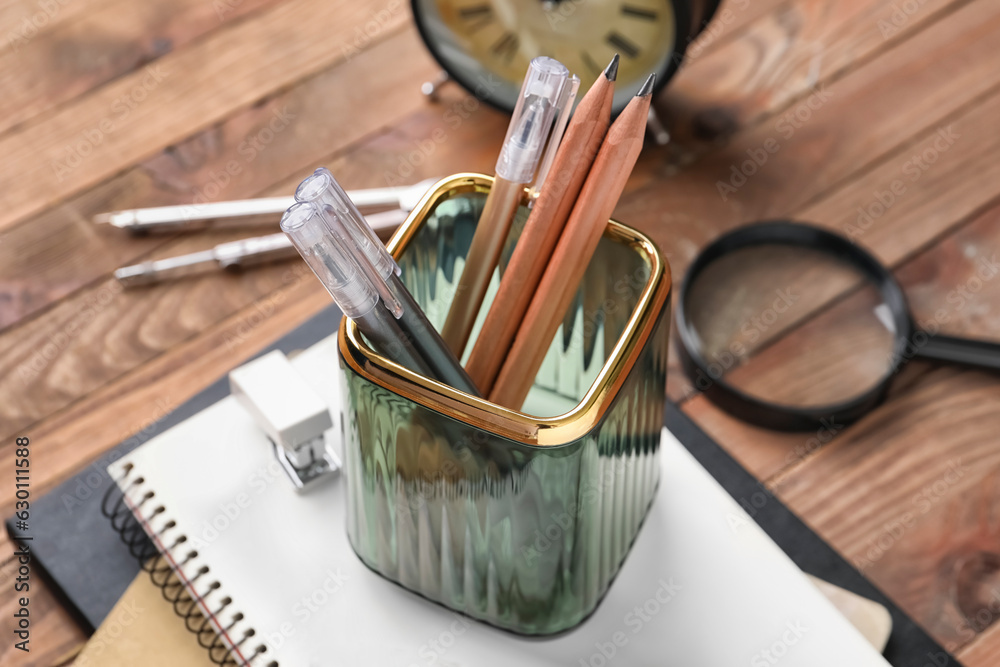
<point>536,125</point>
<point>363,278</point>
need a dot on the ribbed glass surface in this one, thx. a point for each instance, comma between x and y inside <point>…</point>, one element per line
<point>526,538</point>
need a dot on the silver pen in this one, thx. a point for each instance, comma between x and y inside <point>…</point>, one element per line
<point>249,212</point>
<point>233,255</point>
<point>363,278</point>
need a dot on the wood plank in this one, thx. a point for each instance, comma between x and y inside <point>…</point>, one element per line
<point>984,651</point>
<point>956,186</point>
<point>52,255</point>
<point>390,139</point>
<point>130,404</point>
<point>66,60</point>
<point>866,124</point>
<point>778,56</point>
<point>174,176</point>
<point>903,494</point>
<point>82,431</point>
<point>376,159</point>
<point>909,493</point>
<point>858,121</point>
<point>90,139</point>
<point>27,20</point>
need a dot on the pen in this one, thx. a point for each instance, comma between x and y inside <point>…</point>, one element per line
<point>248,212</point>
<point>561,279</point>
<point>546,94</point>
<point>543,228</point>
<point>327,230</point>
<point>233,255</point>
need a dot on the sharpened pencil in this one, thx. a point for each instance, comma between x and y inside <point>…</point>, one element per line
<point>542,230</point>
<point>561,279</point>
<point>546,95</point>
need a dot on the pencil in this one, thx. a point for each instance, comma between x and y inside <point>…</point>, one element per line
<point>542,230</point>
<point>484,254</point>
<point>561,279</point>
<point>546,96</point>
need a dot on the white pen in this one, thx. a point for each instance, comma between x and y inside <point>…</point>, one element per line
<point>249,212</point>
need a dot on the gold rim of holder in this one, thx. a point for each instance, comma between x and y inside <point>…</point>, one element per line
<point>480,413</point>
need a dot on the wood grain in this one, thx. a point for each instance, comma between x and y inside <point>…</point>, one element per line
<point>860,120</point>
<point>50,256</point>
<point>890,96</point>
<point>946,289</point>
<point>778,56</point>
<point>908,493</point>
<point>890,527</point>
<point>91,138</point>
<point>66,58</point>
<point>984,651</point>
<point>820,165</point>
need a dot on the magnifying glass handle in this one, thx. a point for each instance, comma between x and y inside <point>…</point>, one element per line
<point>967,351</point>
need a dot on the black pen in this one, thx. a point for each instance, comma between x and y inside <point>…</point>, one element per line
<point>363,278</point>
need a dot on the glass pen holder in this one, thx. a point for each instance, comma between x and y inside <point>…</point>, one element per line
<point>520,518</point>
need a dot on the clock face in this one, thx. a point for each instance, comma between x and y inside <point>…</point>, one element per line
<point>486,44</point>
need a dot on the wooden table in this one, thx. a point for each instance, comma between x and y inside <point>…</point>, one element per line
<point>113,104</point>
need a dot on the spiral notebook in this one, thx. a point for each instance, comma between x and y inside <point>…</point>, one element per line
<point>264,576</point>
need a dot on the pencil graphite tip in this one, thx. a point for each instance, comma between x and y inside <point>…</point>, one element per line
<point>647,88</point>
<point>611,71</point>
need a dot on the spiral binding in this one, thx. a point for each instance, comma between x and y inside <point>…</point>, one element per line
<point>156,563</point>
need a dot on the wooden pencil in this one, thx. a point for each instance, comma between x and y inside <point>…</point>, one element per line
<point>586,224</point>
<point>576,154</point>
<point>484,254</point>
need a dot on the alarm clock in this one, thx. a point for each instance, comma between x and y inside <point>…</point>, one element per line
<point>485,45</point>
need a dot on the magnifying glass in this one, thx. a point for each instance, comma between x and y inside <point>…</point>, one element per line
<point>792,327</point>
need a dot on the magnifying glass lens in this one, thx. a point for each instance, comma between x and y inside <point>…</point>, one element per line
<point>790,325</point>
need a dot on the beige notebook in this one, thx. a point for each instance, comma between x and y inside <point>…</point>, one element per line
<point>142,629</point>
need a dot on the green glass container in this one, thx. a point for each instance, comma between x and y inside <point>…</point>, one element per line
<point>518,518</point>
